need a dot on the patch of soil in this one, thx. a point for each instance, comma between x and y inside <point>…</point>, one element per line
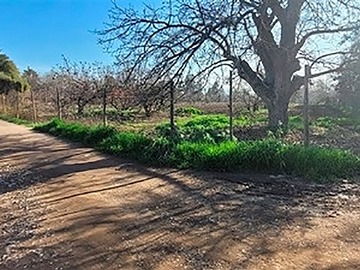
<point>251,132</point>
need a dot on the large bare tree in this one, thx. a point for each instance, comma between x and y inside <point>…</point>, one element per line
<point>266,41</point>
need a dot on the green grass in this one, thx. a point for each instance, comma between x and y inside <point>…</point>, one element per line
<point>267,156</point>
<point>213,128</point>
<point>15,120</point>
<point>188,111</point>
<point>327,122</point>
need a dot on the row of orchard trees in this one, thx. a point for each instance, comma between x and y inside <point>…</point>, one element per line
<point>72,89</point>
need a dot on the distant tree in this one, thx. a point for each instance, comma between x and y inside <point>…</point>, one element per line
<point>244,95</point>
<point>83,82</point>
<point>10,77</point>
<point>215,93</point>
<point>32,78</point>
<point>190,89</point>
<point>56,92</point>
<point>321,92</point>
<point>348,80</point>
<point>153,97</point>
<point>123,94</point>
<point>34,81</point>
<point>271,36</point>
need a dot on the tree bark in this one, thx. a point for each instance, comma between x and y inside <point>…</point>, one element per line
<point>278,114</point>
<point>172,108</point>
<point>231,113</point>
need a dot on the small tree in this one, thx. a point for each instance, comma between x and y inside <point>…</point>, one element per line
<point>153,97</point>
<point>35,86</point>
<point>82,82</point>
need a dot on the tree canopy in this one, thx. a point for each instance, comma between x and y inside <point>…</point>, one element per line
<point>10,77</point>
<point>266,41</point>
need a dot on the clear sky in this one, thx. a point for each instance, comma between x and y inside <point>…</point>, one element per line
<point>36,33</point>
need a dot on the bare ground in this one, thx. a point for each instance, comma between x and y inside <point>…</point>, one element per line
<point>63,206</point>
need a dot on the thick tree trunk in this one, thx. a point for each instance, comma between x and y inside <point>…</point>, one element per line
<point>278,114</point>
<point>277,87</point>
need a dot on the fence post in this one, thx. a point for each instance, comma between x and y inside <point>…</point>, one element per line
<point>58,103</point>
<point>172,108</point>
<point>306,107</point>
<point>231,114</point>
<point>104,115</point>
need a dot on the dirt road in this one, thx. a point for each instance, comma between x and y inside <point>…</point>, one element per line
<point>63,206</point>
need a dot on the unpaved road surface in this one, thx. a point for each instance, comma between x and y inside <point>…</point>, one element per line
<point>63,206</point>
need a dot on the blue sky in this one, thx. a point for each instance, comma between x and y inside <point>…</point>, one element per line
<point>36,33</point>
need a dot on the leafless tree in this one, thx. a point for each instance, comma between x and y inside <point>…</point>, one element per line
<point>83,82</point>
<point>266,41</point>
<point>35,87</point>
<point>190,90</point>
<point>244,95</point>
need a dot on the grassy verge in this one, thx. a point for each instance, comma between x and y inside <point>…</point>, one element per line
<point>15,120</point>
<point>268,156</point>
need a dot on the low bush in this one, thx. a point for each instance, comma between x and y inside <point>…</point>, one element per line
<point>268,156</point>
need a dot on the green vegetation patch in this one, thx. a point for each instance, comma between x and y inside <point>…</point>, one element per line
<point>205,128</point>
<point>268,156</point>
<point>16,120</point>
<point>188,111</point>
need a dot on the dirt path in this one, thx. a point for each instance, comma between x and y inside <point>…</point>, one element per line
<point>63,206</point>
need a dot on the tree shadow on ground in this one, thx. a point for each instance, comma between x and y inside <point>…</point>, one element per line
<point>49,158</point>
<point>132,217</point>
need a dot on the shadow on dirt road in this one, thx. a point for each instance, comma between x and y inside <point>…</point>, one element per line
<point>85,210</point>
